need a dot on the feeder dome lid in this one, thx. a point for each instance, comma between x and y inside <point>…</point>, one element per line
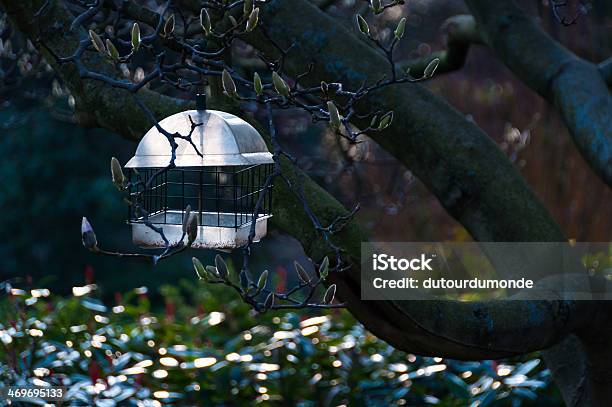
<point>222,138</point>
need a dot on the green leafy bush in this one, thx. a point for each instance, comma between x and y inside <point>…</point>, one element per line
<point>208,348</point>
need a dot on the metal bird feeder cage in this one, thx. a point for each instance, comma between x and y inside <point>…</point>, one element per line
<point>223,185</point>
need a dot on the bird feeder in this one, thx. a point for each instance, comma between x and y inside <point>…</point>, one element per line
<point>222,186</point>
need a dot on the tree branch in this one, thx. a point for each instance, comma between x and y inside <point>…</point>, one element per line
<point>575,86</point>
<point>459,163</point>
<point>461,32</point>
<point>95,102</point>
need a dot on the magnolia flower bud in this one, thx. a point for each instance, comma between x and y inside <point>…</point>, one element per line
<point>199,268</point>
<point>117,174</point>
<point>431,68</point>
<point>334,116</point>
<point>376,6</point>
<point>212,271</point>
<point>269,302</point>
<point>205,21</point>
<point>280,85</point>
<point>257,84</point>
<point>385,121</point>
<point>363,25</point>
<point>324,268</point>
<point>112,50</point>
<point>169,26</point>
<point>192,228</point>
<point>373,121</point>
<point>221,267</point>
<point>228,84</point>
<point>263,279</point>
<point>401,27</point>
<point>135,37</point>
<point>330,294</point>
<point>324,87</point>
<point>97,42</point>
<point>253,20</point>
<point>302,274</point>
<point>88,236</point>
<point>186,217</point>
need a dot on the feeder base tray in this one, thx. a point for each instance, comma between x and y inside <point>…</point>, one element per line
<point>223,236</point>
